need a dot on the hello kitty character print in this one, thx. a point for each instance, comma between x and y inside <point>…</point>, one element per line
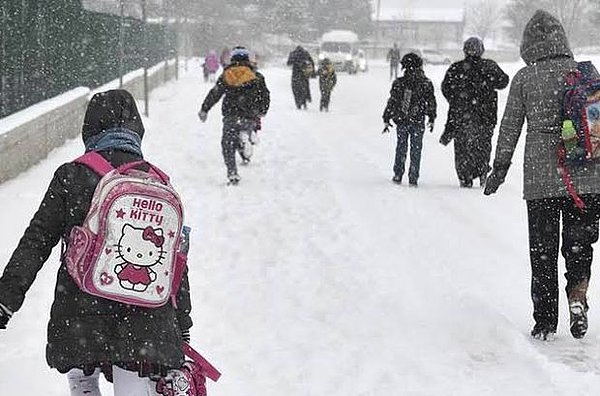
<point>140,249</point>
<point>128,248</point>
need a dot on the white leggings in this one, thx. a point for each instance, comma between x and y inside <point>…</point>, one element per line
<point>125,383</point>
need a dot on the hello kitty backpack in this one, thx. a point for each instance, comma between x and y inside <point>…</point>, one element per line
<point>128,247</point>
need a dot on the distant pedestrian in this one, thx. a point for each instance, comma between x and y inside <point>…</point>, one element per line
<point>327,80</point>
<point>303,68</point>
<point>393,57</point>
<point>411,99</point>
<point>211,66</point>
<point>470,87</point>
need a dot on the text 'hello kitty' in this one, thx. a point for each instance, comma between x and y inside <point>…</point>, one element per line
<point>148,210</point>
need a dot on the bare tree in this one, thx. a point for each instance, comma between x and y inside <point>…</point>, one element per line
<point>575,15</point>
<point>570,13</point>
<point>483,17</point>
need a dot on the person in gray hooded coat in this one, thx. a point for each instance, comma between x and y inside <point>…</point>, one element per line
<point>536,94</point>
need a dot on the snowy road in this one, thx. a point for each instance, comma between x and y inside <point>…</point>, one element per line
<point>317,275</point>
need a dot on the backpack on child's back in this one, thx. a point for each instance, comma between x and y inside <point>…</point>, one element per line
<point>580,133</point>
<point>132,248</point>
<point>128,247</point>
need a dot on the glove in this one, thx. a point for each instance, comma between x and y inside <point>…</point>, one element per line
<point>430,126</point>
<point>185,335</point>
<point>386,127</point>
<point>495,179</point>
<point>5,315</point>
<point>203,115</point>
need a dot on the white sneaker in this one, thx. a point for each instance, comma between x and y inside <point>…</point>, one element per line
<point>246,146</point>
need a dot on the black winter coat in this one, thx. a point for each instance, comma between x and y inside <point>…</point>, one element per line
<point>470,87</point>
<point>303,68</point>
<point>86,331</point>
<point>245,90</point>
<point>327,78</point>
<point>411,99</point>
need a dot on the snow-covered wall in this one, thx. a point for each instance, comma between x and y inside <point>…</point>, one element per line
<point>27,136</point>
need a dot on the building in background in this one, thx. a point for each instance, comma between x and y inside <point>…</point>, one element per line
<point>424,27</point>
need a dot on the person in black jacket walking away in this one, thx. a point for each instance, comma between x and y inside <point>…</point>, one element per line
<point>246,100</point>
<point>411,99</point>
<point>327,80</point>
<point>470,87</point>
<point>88,334</point>
<point>303,68</point>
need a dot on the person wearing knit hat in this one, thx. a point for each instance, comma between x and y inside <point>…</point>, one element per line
<point>411,99</point>
<point>470,87</point>
<point>536,95</point>
<point>246,99</point>
<point>473,46</point>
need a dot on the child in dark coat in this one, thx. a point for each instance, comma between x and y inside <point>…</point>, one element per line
<point>246,99</point>
<point>88,334</point>
<point>327,80</point>
<point>411,99</point>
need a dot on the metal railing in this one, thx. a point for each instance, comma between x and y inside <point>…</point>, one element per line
<point>48,47</point>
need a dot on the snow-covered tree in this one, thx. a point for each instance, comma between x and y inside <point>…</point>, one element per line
<point>483,17</point>
<point>575,15</point>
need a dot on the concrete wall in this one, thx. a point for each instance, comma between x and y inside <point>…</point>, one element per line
<point>40,129</point>
<point>27,137</point>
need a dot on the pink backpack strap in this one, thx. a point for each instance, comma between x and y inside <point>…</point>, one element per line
<point>207,369</point>
<point>95,162</point>
<point>567,180</point>
<point>101,166</point>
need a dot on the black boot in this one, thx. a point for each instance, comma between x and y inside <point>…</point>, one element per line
<point>578,309</point>
<point>579,321</point>
<point>543,332</point>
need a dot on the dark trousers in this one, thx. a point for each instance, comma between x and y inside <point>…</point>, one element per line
<point>301,90</point>
<point>579,232</point>
<point>230,141</point>
<point>325,98</point>
<point>414,133</point>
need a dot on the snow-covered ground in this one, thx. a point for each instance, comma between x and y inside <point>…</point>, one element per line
<point>318,276</point>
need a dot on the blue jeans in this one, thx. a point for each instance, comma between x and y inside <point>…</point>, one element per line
<point>415,133</point>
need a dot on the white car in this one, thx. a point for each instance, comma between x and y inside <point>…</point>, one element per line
<point>430,56</point>
<point>341,48</point>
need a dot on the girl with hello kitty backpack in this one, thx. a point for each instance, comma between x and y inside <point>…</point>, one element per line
<point>122,304</point>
